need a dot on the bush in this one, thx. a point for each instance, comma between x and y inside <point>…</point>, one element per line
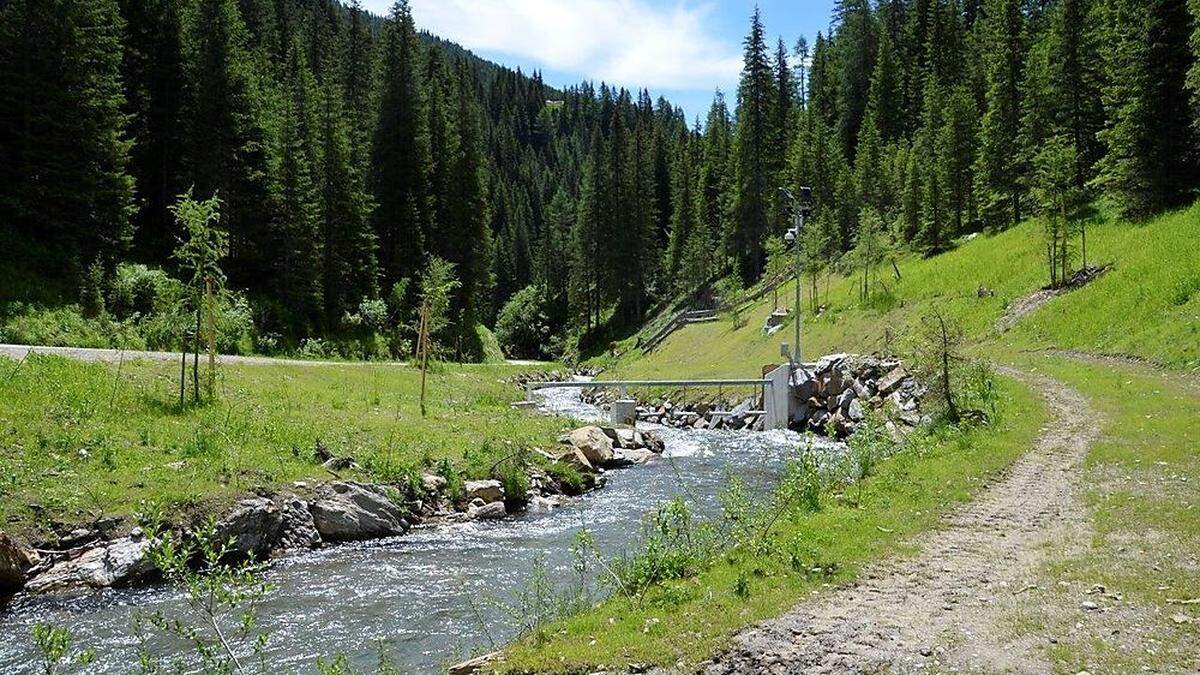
<point>523,327</point>
<point>140,290</point>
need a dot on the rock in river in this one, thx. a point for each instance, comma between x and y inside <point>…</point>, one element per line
<point>114,564</point>
<point>14,562</point>
<point>348,511</point>
<point>253,526</point>
<point>489,511</point>
<point>595,445</point>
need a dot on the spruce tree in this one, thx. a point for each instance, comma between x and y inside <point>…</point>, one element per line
<point>998,172</point>
<point>298,254</point>
<point>64,182</point>
<point>227,144</point>
<point>153,75</point>
<point>351,268</point>
<point>683,217</point>
<point>752,168</point>
<point>1149,159</point>
<point>885,98</point>
<point>956,149</point>
<point>401,152</point>
<point>855,57</point>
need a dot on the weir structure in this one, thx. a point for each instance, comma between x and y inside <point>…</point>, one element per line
<point>774,386</point>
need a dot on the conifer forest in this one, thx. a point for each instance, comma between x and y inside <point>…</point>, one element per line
<point>347,149</point>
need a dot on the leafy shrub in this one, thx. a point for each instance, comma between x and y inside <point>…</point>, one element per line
<point>515,481</point>
<point>523,327</point>
<point>136,289</point>
<point>674,548</point>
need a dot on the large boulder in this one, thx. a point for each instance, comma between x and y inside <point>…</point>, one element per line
<point>252,527</point>
<point>595,445</point>
<point>299,531</point>
<point>117,563</point>
<point>489,511</point>
<point>15,561</point>
<point>487,490</point>
<point>349,511</point>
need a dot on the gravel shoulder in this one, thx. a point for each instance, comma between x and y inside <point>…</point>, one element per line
<point>946,608</point>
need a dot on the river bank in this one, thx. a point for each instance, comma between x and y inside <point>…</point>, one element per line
<point>437,594</point>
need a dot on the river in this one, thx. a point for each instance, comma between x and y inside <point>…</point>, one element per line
<point>434,596</point>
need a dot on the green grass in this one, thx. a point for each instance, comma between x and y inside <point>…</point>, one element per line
<point>1148,305</point>
<point>1140,484</point>
<point>78,440</point>
<point>685,621</point>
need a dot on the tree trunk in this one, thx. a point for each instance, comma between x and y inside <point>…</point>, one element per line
<point>196,358</point>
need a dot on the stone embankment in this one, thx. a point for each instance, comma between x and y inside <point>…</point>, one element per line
<point>310,515</point>
<point>830,397</point>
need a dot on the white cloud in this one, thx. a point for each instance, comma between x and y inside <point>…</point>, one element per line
<point>627,42</point>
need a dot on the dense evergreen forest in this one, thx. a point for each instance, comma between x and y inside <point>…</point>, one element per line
<point>347,149</point>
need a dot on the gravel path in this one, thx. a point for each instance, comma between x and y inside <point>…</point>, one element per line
<point>19,352</point>
<point>942,610</point>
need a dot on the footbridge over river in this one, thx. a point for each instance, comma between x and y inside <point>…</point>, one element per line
<point>773,386</point>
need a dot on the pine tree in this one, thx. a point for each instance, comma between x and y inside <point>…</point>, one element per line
<point>753,190</point>
<point>401,152</point>
<point>1149,162</point>
<point>153,75</point>
<point>998,168</point>
<point>299,258</point>
<point>227,144</point>
<point>712,193</point>
<point>64,182</point>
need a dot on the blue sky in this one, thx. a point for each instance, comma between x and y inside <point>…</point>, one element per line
<point>682,49</point>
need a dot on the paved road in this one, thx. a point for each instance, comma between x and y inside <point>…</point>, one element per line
<point>116,355</point>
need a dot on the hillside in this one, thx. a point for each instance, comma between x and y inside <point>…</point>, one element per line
<point>1121,355</point>
<point>1147,306</point>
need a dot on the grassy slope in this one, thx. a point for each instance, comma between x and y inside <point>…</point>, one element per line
<point>684,621</point>
<point>1147,306</point>
<point>82,439</point>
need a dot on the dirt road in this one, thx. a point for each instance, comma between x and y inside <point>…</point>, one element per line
<point>942,609</point>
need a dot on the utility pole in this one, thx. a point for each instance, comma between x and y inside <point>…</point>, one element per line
<point>801,204</point>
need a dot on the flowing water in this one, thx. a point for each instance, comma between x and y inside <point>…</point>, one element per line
<point>436,595</point>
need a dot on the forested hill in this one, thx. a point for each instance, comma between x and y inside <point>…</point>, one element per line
<point>348,152</point>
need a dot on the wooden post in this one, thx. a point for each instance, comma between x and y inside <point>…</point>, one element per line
<point>211,326</point>
<point>423,350</point>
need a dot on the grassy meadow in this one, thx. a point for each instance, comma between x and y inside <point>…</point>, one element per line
<point>81,440</point>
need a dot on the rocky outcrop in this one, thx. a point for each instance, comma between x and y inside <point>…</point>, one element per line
<point>252,528</point>
<point>116,563</point>
<point>15,562</point>
<point>298,531</point>
<point>349,511</point>
<point>838,392</point>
